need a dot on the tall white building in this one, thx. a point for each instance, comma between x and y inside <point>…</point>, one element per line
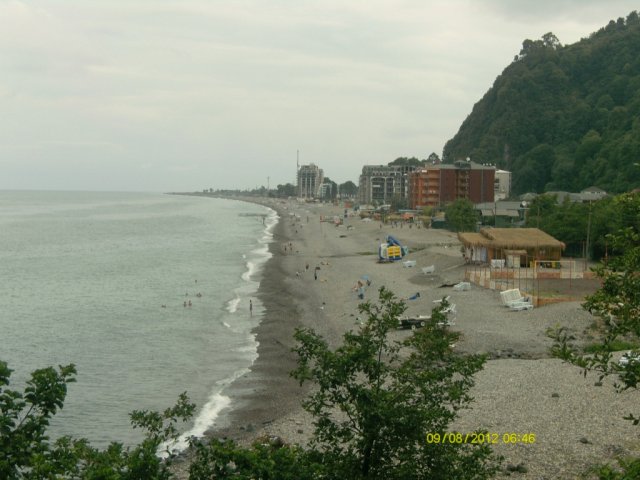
<point>310,179</point>
<point>502,185</point>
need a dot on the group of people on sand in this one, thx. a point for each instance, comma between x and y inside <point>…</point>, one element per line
<point>288,247</point>
<point>299,273</point>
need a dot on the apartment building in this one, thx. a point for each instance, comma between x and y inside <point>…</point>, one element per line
<point>439,184</point>
<point>310,179</point>
<point>380,184</point>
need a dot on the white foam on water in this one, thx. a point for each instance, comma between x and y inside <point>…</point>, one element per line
<point>248,348</point>
<point>232,305</point>
<point>205,419</point>
<point>251,270</point>
<point>208,414</point>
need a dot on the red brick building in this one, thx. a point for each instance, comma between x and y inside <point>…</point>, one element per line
<point>440,184</point>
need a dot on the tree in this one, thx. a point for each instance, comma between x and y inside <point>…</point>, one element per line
<point>433,158</point>
<point>405,162</point>
<point>287,190</point>
<point>26,451</point>
<point>551,41</point>
<point>461,216</point>
<point>373,406</point>
<point>399,203</point>
<point>25,418</point>
<point>331,189</point>
<point>348,189</point>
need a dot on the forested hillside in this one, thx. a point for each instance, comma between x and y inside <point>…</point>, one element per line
<point>563,117</point>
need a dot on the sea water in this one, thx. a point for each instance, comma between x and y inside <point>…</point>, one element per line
<point>101,280</point>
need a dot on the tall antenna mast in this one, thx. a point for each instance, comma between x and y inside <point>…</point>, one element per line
<point>297,170</point>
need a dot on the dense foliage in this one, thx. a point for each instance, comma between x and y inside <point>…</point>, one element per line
<point>348,189</point>
<point>584,227</point>
<point>461,216</point>
<point>562,117</point>
<point>26,452</point>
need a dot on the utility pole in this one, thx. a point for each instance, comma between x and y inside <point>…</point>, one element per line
<point>495,213</point>
<point>586,253</point>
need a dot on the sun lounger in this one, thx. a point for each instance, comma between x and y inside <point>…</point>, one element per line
<point>629,358</point>
<point>510,297</point>
<point>451,308</point>
<point>439,300</point>
<point>518,306</point>
<point>462,286</point>
<point>448,323</point>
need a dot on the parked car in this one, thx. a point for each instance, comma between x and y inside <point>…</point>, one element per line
<point>412,323</point>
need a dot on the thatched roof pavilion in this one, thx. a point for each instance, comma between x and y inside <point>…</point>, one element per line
<point>494,243</point>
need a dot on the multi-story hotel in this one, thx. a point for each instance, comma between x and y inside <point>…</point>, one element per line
<point>437,185</point>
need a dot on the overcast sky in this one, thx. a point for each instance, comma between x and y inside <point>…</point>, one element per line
<point>180,95</point>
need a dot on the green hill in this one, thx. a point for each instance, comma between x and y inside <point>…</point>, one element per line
<point>563,117</point>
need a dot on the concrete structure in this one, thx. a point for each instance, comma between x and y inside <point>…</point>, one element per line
<point>502,185</point>
<point>326,190</point>
<point>592,194</point>
<point>588,195</point>
<point>380,184</point>
<point>501,213</point>
<point>310,179</point>
<point>437,185</point>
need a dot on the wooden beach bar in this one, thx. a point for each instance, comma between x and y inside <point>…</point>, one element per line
<point>513,247</point>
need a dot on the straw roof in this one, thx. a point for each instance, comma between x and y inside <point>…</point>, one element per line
<point>511,238</point>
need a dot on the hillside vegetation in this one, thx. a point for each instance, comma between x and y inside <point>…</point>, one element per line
<point>563,117</point>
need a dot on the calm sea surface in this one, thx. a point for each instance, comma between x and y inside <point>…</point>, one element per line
<point>100,280</point>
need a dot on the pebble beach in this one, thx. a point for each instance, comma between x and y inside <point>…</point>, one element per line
<point>309,282</point>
